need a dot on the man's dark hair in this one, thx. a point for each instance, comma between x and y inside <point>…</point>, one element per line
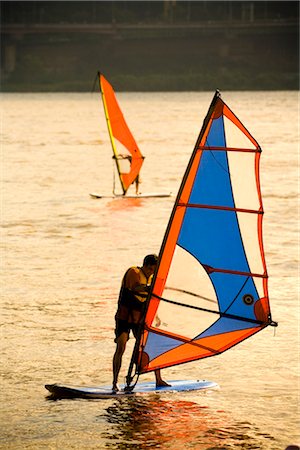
<point>150,260</point>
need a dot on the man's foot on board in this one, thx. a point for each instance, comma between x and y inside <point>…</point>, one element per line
<point>128,389</point>
<point>162,383</point>
<point>115,388</point>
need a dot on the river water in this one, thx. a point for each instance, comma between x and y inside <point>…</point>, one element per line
<point>64,254</point>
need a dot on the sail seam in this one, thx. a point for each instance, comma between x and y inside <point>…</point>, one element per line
<point>184,291</point>
<point>183,340</point>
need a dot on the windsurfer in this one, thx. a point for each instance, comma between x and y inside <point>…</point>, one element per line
<point>137,180</point>
<point>133,294</point>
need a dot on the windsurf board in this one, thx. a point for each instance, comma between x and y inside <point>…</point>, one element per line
<point>103,392</point>
<point>150,195</point>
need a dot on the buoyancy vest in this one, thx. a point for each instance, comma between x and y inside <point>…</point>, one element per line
<point>131,303</point>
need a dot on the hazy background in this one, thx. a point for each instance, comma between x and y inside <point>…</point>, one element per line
<point>150,45</point>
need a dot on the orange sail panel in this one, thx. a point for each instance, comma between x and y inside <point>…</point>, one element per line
<point>210,290</point>
<point>127,155</point>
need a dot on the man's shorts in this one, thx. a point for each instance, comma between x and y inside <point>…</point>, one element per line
<point>122,326</point>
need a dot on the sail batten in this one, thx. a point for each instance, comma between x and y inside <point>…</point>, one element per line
<point>210,288</point>
<point>222,208</point>
<point>229,149</point>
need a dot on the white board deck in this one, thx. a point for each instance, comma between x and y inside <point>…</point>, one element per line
<point>149,195</point>
<point>103,392</point>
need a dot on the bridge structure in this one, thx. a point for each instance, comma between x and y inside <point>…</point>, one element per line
<point>15,37</point>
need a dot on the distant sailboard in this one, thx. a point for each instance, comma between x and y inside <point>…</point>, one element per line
<point>105,392</point>
<point>149,195</point>
<point>126,153</point>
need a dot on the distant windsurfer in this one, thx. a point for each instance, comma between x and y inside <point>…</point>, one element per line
<point>137,180</point>
<point>133,294</point>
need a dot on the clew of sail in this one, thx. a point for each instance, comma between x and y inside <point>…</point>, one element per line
<point>127,156</point>
<point>210,290</point>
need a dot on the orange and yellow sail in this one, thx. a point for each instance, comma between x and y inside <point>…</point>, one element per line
<point>210,289</point>
<point>127,155</point>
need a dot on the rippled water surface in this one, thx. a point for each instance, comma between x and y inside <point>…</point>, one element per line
<point>64,254</point>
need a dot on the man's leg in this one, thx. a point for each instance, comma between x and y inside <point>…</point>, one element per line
<point>159,381</point>
<point>117,359</point>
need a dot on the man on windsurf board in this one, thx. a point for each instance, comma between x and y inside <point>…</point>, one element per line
<point>132,299</point>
